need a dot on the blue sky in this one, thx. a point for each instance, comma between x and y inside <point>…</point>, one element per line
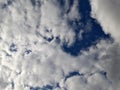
<point>89,37</point>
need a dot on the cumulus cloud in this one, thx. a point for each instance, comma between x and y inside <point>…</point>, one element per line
<point>31,57</point>
<point>27,59</point>
<point>107,13</point>
<point>110,61</point>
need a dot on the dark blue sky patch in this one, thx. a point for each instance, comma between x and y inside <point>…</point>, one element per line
<point>62,5</point>
<point>47,87</point>
<point>9,2</point>
<point>70,5</point>
<point>35,3</point>
<point>28,51</point>
<point>104,74</point>
<point>71,74</point>
<point>57,40</point>
<point>13,47</point>
<point>92,31</point>
<point>57,85</point>
<point>84,9</point>
<point>5,5</point>
<point>35,88</point>
<point>49,39</point>
<point>13,85</point>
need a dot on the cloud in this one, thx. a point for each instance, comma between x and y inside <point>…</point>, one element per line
<point>107,13</point>
<point>23,27</point>
<point>49,65</point>
<point>110,61</point>
<point>73,13</point>
<point>29,60</point>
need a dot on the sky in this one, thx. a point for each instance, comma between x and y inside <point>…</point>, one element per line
<point>59,45</point>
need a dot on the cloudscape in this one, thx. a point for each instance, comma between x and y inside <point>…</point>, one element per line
<point>59,45</point>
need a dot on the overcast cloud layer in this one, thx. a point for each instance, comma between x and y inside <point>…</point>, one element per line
<point>31,34</point>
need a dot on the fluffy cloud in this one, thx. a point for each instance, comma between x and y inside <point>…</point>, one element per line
<point>107,12</point>
<point>110,61</point>
<point>30,56</point>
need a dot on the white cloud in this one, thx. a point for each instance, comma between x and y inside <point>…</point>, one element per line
<point>107,13</point>
<point>74,12</point>
<point>110,61</point>
<point>47,64</point>
<point>52,18</point>
<point>93,82</point>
